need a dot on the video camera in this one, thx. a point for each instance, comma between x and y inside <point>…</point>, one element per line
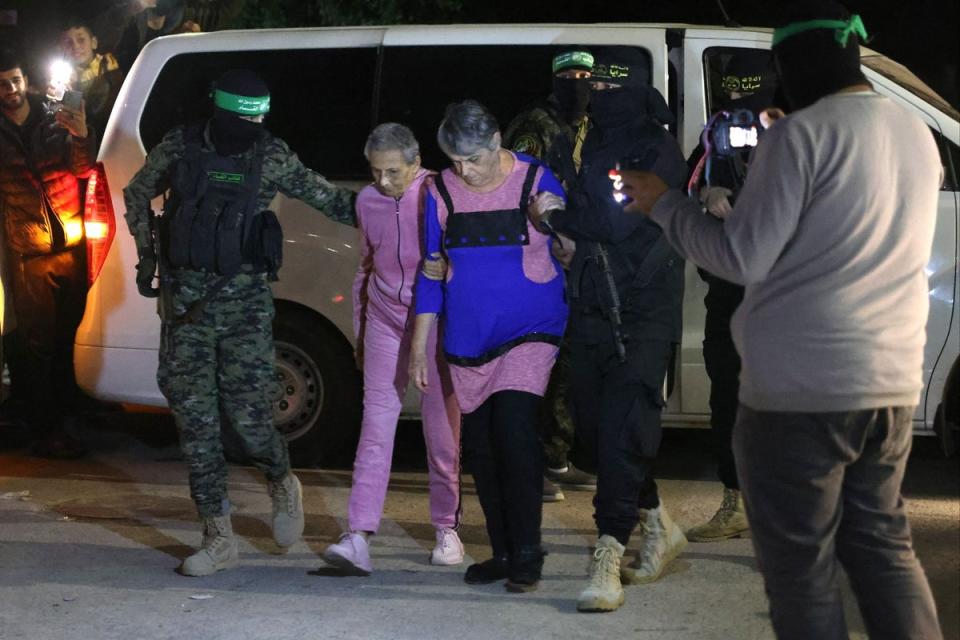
<point>729,132</point>
<point>727,140</point>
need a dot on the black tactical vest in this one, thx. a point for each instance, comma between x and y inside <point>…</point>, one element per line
<point>212,212</point>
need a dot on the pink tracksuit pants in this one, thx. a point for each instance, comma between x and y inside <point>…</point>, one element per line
<point>386,348</point>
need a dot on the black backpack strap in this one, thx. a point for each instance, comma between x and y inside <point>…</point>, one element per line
<point>660,254</point>
<point>528,186</point>
<point>444,194</point>
<point>256,175</point>
<point>192,314</point>
<point>192,149</point>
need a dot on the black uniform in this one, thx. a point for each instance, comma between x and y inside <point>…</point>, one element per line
<point>616,404</point>
<point>719,353</point>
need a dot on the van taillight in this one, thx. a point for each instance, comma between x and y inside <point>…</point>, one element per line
<point>99,224</point>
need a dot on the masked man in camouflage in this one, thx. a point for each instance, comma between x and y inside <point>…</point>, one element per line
<point>553,132</point>
<point>219,249</point>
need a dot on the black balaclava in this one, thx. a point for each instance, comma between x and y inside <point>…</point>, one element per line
<point>572,94</point>
<point>166,7</point>
<point>232,134</point>
<point>747,82</point>
<point>817,52</point>
<point>635,99</point>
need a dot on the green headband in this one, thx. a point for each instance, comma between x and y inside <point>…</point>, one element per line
<point>244,105</point>
<point>569,59</point>
<point>843,29</point>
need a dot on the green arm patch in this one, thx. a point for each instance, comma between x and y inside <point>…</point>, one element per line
<point>528,144</point>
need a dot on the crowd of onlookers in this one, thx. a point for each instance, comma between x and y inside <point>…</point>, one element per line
<point>43,304</point>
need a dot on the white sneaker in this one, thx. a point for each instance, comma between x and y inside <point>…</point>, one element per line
<point>449,549</point>
<point>351,554</point>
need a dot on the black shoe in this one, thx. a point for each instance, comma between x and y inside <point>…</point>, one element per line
<point>551,492</point>
<point>525,568</point>
<point>487,571</point>
<point>571,477</point>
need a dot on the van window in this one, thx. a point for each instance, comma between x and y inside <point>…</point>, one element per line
<point>419,82</point>
<point>949,159</point>
<point>732,71</point>
<point>321,100</point>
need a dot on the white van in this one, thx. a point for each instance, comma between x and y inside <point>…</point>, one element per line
<point>329,88</point>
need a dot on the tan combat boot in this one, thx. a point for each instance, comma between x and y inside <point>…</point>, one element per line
<point>662,542</point>
<point>218,549</point>
<point>604,592</point>
<point>730,520</point>
<point>287,496</point>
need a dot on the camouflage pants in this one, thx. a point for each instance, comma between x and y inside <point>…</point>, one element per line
<point>556,424</point>
<point>222,364</point>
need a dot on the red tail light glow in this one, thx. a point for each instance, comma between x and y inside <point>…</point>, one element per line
<point>99,224</point>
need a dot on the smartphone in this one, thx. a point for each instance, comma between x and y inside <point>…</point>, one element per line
<point>73,99</point>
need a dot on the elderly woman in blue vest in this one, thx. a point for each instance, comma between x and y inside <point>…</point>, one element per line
<point>503,310</point>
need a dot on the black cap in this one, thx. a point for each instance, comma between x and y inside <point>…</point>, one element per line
<point>625,66</point>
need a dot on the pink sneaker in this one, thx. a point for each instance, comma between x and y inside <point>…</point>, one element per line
<point>351,554</point>
<point>449,549</point>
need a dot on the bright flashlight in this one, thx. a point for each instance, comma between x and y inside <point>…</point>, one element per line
<point>617,181</point>
<point>60,73</point>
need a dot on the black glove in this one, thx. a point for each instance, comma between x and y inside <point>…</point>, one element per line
<point>145,270</point>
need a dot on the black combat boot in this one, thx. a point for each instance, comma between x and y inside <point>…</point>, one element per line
<point>496,568</point>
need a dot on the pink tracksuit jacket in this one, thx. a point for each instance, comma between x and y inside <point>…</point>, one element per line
<point>383,319</point>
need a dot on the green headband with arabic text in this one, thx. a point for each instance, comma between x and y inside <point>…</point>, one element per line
<point>243,105</point>
<point>569,59</point>
<point>842,29</point>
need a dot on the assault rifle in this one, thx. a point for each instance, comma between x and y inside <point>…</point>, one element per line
<point>613,301</point>
<point>165,297</point>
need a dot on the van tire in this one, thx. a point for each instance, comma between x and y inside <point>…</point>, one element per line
<point>317,399</point>
<point>946,422</point>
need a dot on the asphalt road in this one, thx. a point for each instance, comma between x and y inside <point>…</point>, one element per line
<point>88,551</point>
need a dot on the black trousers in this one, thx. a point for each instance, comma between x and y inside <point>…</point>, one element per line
<point>723,368</point>
<point>49,296</point>
<point>502,450</point>
<point>616,407</point>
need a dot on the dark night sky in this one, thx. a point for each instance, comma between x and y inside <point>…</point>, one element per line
<point>922,34</point>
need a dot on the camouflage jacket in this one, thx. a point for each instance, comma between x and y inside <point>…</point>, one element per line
<point>542,133</point>
<point>282,171</point>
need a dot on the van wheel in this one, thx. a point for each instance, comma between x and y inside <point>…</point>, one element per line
<point>946,422</point>
<point>316,402</point>
<point>316,399</point>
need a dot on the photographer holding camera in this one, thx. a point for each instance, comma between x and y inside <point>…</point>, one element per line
<point>625,287</point>
<point>44,147</point>
<point>831,235</point>
<point>746,88</point>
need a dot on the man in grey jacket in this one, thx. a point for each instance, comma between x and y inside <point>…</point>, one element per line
<point>830,235</point>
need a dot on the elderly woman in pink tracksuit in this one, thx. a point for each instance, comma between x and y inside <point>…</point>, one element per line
<point>390,220</point>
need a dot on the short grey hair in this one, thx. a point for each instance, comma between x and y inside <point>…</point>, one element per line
<point>392,136</point>
<point>466,127</point>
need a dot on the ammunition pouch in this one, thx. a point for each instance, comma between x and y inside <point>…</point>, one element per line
<point>210,219</point>
<point>264,243</point>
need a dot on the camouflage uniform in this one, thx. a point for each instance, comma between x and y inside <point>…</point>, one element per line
<point>223,359</point>
<point>542,133</point>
